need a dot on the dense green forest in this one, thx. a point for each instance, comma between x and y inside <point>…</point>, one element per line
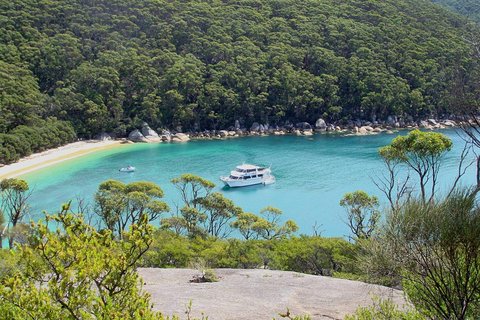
<point>469,8</point>
<point>190,65</point>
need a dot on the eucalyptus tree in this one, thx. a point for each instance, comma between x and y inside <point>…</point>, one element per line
<point>119,205</point>
<point>14,196</point>
<point>421,152</point>
<point>362,213</point>
<point>203,212</point>
<point>246,223</point>
<point>269,226</point>
<point>219,212</point>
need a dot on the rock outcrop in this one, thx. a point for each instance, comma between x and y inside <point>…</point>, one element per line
<point>137,136</point>
<point>303,126</point>
<point>320,125</point>
<point>261,294</point>
<point>362,130</point>
<point>148,132</point>
<point>180,137</point>
<point>223,133</point>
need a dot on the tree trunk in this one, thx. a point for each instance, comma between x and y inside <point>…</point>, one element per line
<point>478,172</point>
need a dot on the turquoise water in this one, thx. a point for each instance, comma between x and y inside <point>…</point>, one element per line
<point>313,173</point>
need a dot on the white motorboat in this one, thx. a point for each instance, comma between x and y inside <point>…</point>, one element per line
<point>248,175</point>
<point>127,169</point>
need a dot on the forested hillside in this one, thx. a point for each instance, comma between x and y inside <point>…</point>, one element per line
<point>107,65</point>
<point>469,8</point>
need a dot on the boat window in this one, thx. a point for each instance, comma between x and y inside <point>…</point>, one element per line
<point>246,177</point>
<point>260,175</point>
<point>254,176</point>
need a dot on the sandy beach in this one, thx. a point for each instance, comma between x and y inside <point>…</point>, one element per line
<point>50,157</point>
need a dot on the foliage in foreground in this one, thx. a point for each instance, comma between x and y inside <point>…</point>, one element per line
<point>384,310</point>
<point>77,272</point>
<point>313,255</point>
<point>435,247</point>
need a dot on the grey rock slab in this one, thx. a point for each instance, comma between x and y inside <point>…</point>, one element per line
<point>137,136</point>
<point>259,294</point>
<point>149,132</point>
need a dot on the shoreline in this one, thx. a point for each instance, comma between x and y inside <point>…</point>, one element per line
<point>78,149</point>
<point>50,157</point>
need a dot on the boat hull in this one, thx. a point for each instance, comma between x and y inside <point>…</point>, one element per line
<point>248,182</point>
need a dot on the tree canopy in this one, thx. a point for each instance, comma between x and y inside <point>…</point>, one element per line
<point>109,65</point>
<point>468,8</point>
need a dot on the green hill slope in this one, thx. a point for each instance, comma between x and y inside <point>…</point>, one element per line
<point>106,65</point>
<point>468,8</point>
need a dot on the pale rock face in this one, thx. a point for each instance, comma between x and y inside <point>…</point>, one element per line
<point>362,130</point>
<point>303,126</point>
<point>320,124</point>
<point>223,133</point>
<point>449,123</point>
<point>165,138</point>
<point>368,128</point>
<point>232,133</point>
<point>377,130</point>
<point>307,133</point>
<point>433,122</point>
<point>355,129</point>
<point>149,132</point>
<point>424,124</point>
<point>237,125</point>
<point>180,137</point>
<point>137,136</point>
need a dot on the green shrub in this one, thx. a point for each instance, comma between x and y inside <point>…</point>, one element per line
<point>384,310</point>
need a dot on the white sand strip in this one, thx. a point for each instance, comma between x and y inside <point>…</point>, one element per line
<point>47,158</point>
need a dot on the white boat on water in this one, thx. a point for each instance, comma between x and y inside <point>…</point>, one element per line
<point>127,169</point>
<point>248,175</point>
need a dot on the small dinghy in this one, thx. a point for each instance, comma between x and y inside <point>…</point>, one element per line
<point>127,169</point>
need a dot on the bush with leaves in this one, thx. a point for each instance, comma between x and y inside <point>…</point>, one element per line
<point>362,213</point>
<point>119,205</point>
<point>436,248</point>
<point>385,310</point>
<point>77,272</point>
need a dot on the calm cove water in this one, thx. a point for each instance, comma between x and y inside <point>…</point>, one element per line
<point>313,173</point>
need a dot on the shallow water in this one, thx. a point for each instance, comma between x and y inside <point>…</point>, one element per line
<point>313,173</point>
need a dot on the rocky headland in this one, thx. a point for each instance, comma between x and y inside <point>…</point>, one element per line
<point>359,127</point>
